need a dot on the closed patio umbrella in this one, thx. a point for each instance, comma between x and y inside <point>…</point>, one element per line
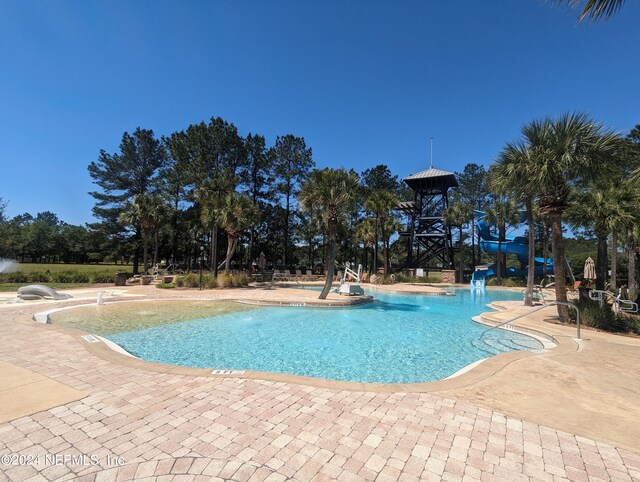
<point>589,269</point>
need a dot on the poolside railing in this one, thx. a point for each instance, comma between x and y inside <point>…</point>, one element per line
<point>538,308</point>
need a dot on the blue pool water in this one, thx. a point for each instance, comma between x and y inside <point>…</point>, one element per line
<point>398,339</point>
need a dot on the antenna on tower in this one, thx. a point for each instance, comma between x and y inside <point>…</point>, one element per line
<point>431,155</point>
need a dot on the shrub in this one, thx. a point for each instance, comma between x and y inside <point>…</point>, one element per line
<point>102,277</point>
<point>244,279</point>
<point>403,278</point>
<point>236,280</point>
<point>178,281</point>
<point>508,282</point>
<point>209,281</point>
<point>38,277</point>
<point>16,277</point>
<point>190,280</point>
<point>165,286</point>
<point>224,281</point>
<point>600,317</point>
<point>514,282</point>
<point>633,323</point>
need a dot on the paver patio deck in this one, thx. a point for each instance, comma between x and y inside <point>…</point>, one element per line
<point>152,425</point>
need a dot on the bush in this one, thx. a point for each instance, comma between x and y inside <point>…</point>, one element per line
<point>165,286</point>
<point>102,277</point>
<point>16,277</point>
<point>600,317</point>
<point>209,281</point>
<point>190,280</point>
<point>224,281</point>
<point>508,282</point>
<point>178,281</point>
<point>243,279</point>
<point>404,278</point>
<point>514,282</point>
<point>39,277</point>
<point>633,323</point>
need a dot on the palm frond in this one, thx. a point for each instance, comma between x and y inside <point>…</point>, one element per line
<point>595,9</point>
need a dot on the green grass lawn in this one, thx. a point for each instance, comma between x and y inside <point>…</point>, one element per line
<point>85,268</point>
<point>4,287</point>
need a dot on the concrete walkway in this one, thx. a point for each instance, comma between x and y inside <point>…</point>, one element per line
<point>139,424</point>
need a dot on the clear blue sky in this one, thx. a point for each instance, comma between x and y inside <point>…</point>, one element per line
<point>364,82</point>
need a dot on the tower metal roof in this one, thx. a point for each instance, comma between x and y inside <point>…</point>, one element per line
<point>430,178</point>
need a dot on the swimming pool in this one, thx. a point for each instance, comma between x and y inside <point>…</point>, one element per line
<point>398,339</point>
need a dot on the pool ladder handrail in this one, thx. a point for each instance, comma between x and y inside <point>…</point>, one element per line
<point>538,308</point>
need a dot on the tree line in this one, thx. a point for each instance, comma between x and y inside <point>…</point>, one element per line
<point>567,171</point>
<point>208,195</point>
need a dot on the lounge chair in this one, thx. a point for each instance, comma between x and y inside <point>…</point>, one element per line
<point>574,293</point>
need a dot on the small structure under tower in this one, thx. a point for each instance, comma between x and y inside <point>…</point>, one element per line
<point>429,243</point>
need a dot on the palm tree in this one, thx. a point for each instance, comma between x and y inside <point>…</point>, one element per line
<point>458,215</point>
<point>502,212</point>
<point>623,203</point>
<point>141,212</point>
<point>390,226</point>
<point>589,208</point>
<point>333,192</point>
<point>510,175</point>
<point>381,202</point>
<point>606,209</point>
<point>565,150</point>
<point>596,9</point>
<point>159,214</point>
<point>235,213</point>
<point>366,232</point>
<point>210,198</point>
<point>632,242</point>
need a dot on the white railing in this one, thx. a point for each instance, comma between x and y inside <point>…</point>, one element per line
<point>619,305</point>
<point>522,315</point>
<point>351,275</point>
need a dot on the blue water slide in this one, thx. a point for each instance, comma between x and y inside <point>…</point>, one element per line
<point>516,245</point>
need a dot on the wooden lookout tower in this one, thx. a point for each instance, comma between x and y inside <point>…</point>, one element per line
<point>429,243</point>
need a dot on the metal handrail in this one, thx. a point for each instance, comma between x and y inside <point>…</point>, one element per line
<point>522,315</point>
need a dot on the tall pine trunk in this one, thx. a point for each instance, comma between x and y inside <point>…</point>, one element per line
<point>136,252</point>
<point>528,295</point>
<point>601,259</point>
<point>545,247</point>
<point>385,249</point>
<point>375,250</point>
<point>214,251</point>
<point>155,246</point>
<point>499,261</point>
<point>145,251</point>
<point>473,243</point>
<point>285,255</point>
<point>557,245</point>
<point>631,266</point>
<point>614,261</point>
<point>461,261</point>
